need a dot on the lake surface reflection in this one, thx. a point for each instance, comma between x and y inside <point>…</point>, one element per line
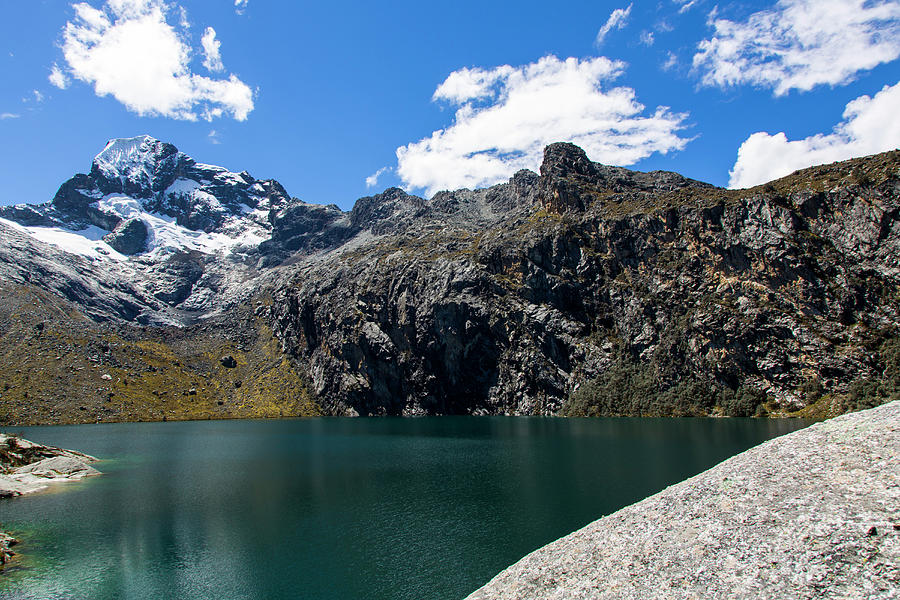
<point>339,508</point>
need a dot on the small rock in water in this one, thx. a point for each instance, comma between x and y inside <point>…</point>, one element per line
<point>6,542</point>
<point>228,362</point>
<point>57,467</point>
<point>873,531</point>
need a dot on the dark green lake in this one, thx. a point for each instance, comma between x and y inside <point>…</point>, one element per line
<point>383,508</point>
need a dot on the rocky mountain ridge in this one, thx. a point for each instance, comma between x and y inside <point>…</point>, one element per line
<point>552,291</point>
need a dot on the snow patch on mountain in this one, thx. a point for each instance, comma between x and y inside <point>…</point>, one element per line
<point>224,175</point>
<point>160,210</point>
<point>123,206</point>
<point>90,193</point>
<point>181,186</point>
<point>87,242</point>
<point>167,236</point>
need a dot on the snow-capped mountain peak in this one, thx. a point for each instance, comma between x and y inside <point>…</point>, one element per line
<point>140,166</point>
<point>147,196</point>
<point>150,220</point>
<point>124,154</point>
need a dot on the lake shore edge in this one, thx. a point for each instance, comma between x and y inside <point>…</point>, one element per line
<point>814,513</point>
<point>29,468</point>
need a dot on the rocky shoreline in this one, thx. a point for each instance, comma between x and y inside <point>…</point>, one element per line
<point>27,467</point>
<point>812,514</point>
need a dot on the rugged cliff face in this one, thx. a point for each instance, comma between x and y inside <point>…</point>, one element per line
<point>587,288</point>
<point>778,288</point>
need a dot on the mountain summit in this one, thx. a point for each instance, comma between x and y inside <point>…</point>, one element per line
<point>147,196</point>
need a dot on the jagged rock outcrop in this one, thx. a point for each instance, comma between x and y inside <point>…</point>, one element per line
<point>6,543</point>
<point>570,181</point>
<point>520,298</point>
<point>303,227</point>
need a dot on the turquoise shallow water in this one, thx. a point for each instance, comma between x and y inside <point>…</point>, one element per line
<point>338,508</point>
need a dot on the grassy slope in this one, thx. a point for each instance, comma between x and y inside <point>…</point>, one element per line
<point>56,366</point>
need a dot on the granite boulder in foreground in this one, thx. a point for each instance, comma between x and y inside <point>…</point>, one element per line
<point>812,514</point>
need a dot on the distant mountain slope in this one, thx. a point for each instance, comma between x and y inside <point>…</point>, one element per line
<point>587,288</point>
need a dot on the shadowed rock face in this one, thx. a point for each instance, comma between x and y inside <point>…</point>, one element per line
<point>505,299</point>
<point>128,237</point>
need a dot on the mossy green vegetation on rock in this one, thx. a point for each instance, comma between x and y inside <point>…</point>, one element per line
<point>630,388</point>
<point>885,386</point>
<point>635,388</point>
<point>867,391</point>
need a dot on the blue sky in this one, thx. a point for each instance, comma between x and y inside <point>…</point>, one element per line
<point>324,96</point>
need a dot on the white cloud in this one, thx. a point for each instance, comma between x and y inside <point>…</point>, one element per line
<point>372,180</point>
<point>664,26</point>
<point>870,126</point>
<point>212,57</point>
<point>686,5</point>
<point>213,137</point>
<point>800,44</point>
<point>671,61</point>
<point>617,20</point>
<point>466,84</point>
<point>38,97</point>
<point>647,38</point>
<point>58,78</point>
<point>503,126</point>
<point>240,6</point>
<point>6,115</point>
<point>128,49</point>
<point>183,20</point>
